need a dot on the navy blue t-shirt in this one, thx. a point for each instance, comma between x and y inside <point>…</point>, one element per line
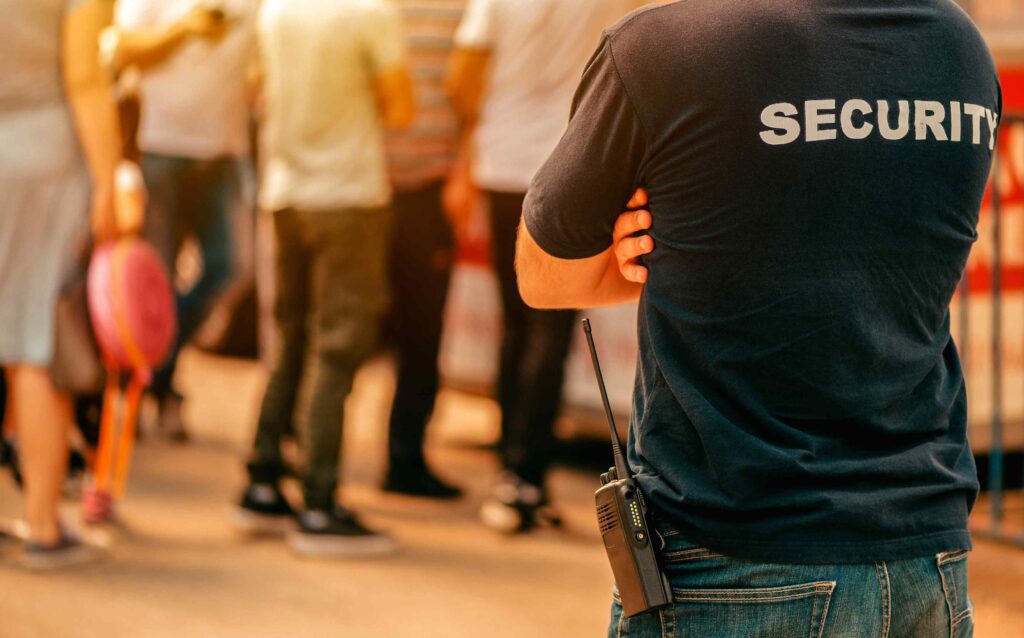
<point>815,172</point>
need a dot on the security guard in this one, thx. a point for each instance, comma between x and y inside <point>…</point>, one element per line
<point>814,173</point>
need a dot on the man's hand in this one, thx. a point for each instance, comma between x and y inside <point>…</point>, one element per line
<point>630,240</point>
<point>460,195</point>
<point>203,22</point>
<point>146,48</point>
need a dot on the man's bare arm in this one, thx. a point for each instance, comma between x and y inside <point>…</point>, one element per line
<point>609,278</point>
<point>395,97</point>
<point>465,81</point>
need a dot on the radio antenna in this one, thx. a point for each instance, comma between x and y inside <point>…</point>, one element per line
<point>621,468</point>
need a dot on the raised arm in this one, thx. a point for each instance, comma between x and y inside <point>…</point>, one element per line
<point>146,47</point>
<point>92,105</point>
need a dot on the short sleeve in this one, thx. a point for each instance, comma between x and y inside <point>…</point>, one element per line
<point>134,14</point>
<point>385,38</point>
<point>476,30</point>
<point>587,181</point>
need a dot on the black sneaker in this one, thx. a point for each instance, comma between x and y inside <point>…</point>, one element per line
<point>418,482</point>
<point>264,510</point>
<point>337,534</point>
<point>516,506</point>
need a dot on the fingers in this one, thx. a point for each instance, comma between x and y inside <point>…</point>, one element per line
<point>627,247</point>
<point>634,273</point>
<point>626,253</point>
<point>632,247</point>
<point>638,200</point>
<point>630,223</point>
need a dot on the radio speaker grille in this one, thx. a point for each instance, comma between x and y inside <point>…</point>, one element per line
<point>607,519</point>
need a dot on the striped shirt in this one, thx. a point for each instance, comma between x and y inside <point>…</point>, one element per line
<point>426,150</point>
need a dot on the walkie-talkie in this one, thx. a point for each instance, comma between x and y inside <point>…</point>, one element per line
<point>622,517</point>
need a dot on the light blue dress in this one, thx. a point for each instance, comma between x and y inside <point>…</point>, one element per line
<point>44,181</point>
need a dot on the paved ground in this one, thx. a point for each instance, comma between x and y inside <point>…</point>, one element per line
<point>179,571</point>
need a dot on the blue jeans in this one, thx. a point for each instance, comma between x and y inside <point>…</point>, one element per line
<point>190,198</point>
<point>721,597</point>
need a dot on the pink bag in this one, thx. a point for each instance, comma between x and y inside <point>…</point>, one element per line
<point>133,312</point>
<point>132,306</point>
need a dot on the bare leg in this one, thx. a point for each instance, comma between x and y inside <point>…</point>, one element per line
<point>42,416</point>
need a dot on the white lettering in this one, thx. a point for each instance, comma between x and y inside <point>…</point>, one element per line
<point>975,112</point>
<point>850,130</point>
<point>859,119</point>
<point>992,119</point>
<point>779,117</point>
<point>815,118</point>
<point>956,121</point>
<point>928,116</point>
<point>902,121</point>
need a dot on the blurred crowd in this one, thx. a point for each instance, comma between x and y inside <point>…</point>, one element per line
<point>373,128</point>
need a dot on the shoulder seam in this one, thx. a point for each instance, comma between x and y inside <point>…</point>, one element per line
<point>625,88</point>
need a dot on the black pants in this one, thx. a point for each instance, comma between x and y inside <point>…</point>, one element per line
<point>533,352</point>
<point>422,252</point>
<point>190,197</point>
<point>331,289</point>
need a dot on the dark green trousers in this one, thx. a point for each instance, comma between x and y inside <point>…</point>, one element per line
<point>331,279</point>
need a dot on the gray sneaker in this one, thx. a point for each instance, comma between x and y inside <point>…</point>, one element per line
<point>9,539</point>
<point>69,551</point>
<point>337,534</point>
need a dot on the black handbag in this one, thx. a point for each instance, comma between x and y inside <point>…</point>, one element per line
<point>77,367</point>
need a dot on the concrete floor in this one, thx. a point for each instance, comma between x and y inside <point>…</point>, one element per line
<point>178,570</point>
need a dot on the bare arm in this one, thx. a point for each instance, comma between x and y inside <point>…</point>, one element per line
<point>609,278</point>
<point>465,81</point>
<point>149,47</point>
<point>395,99</point>
<point>92,104</point>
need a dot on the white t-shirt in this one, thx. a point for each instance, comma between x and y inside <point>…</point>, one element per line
<point>196,103</point>
<point>323,140</point>
<point>538,50</point>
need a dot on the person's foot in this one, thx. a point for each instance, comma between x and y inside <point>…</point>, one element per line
<point>69,551</point>
<point>171,422</point>
<point>264,510</point>
<point>97,506</point>
<point>9,537</point>
<point>516,506</point>
<point>338,534</point>
<point>418,481</point>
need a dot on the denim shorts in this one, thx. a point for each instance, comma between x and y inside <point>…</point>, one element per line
<point>716,596</point>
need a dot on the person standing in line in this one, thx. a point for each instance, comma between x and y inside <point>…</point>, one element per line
<point>512,77</point>
<point>423,245</point>
<point>814,174</point>
<point>195,94</point>
<point>334,73</point>
<point>59,146</point>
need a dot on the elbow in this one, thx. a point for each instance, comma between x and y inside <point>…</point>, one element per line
<point>532,294</point>
<point>80,81</point>
<point>400,118</point>
<point>535,291</point>
<point>461,102</point>
<point>540,297</point>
